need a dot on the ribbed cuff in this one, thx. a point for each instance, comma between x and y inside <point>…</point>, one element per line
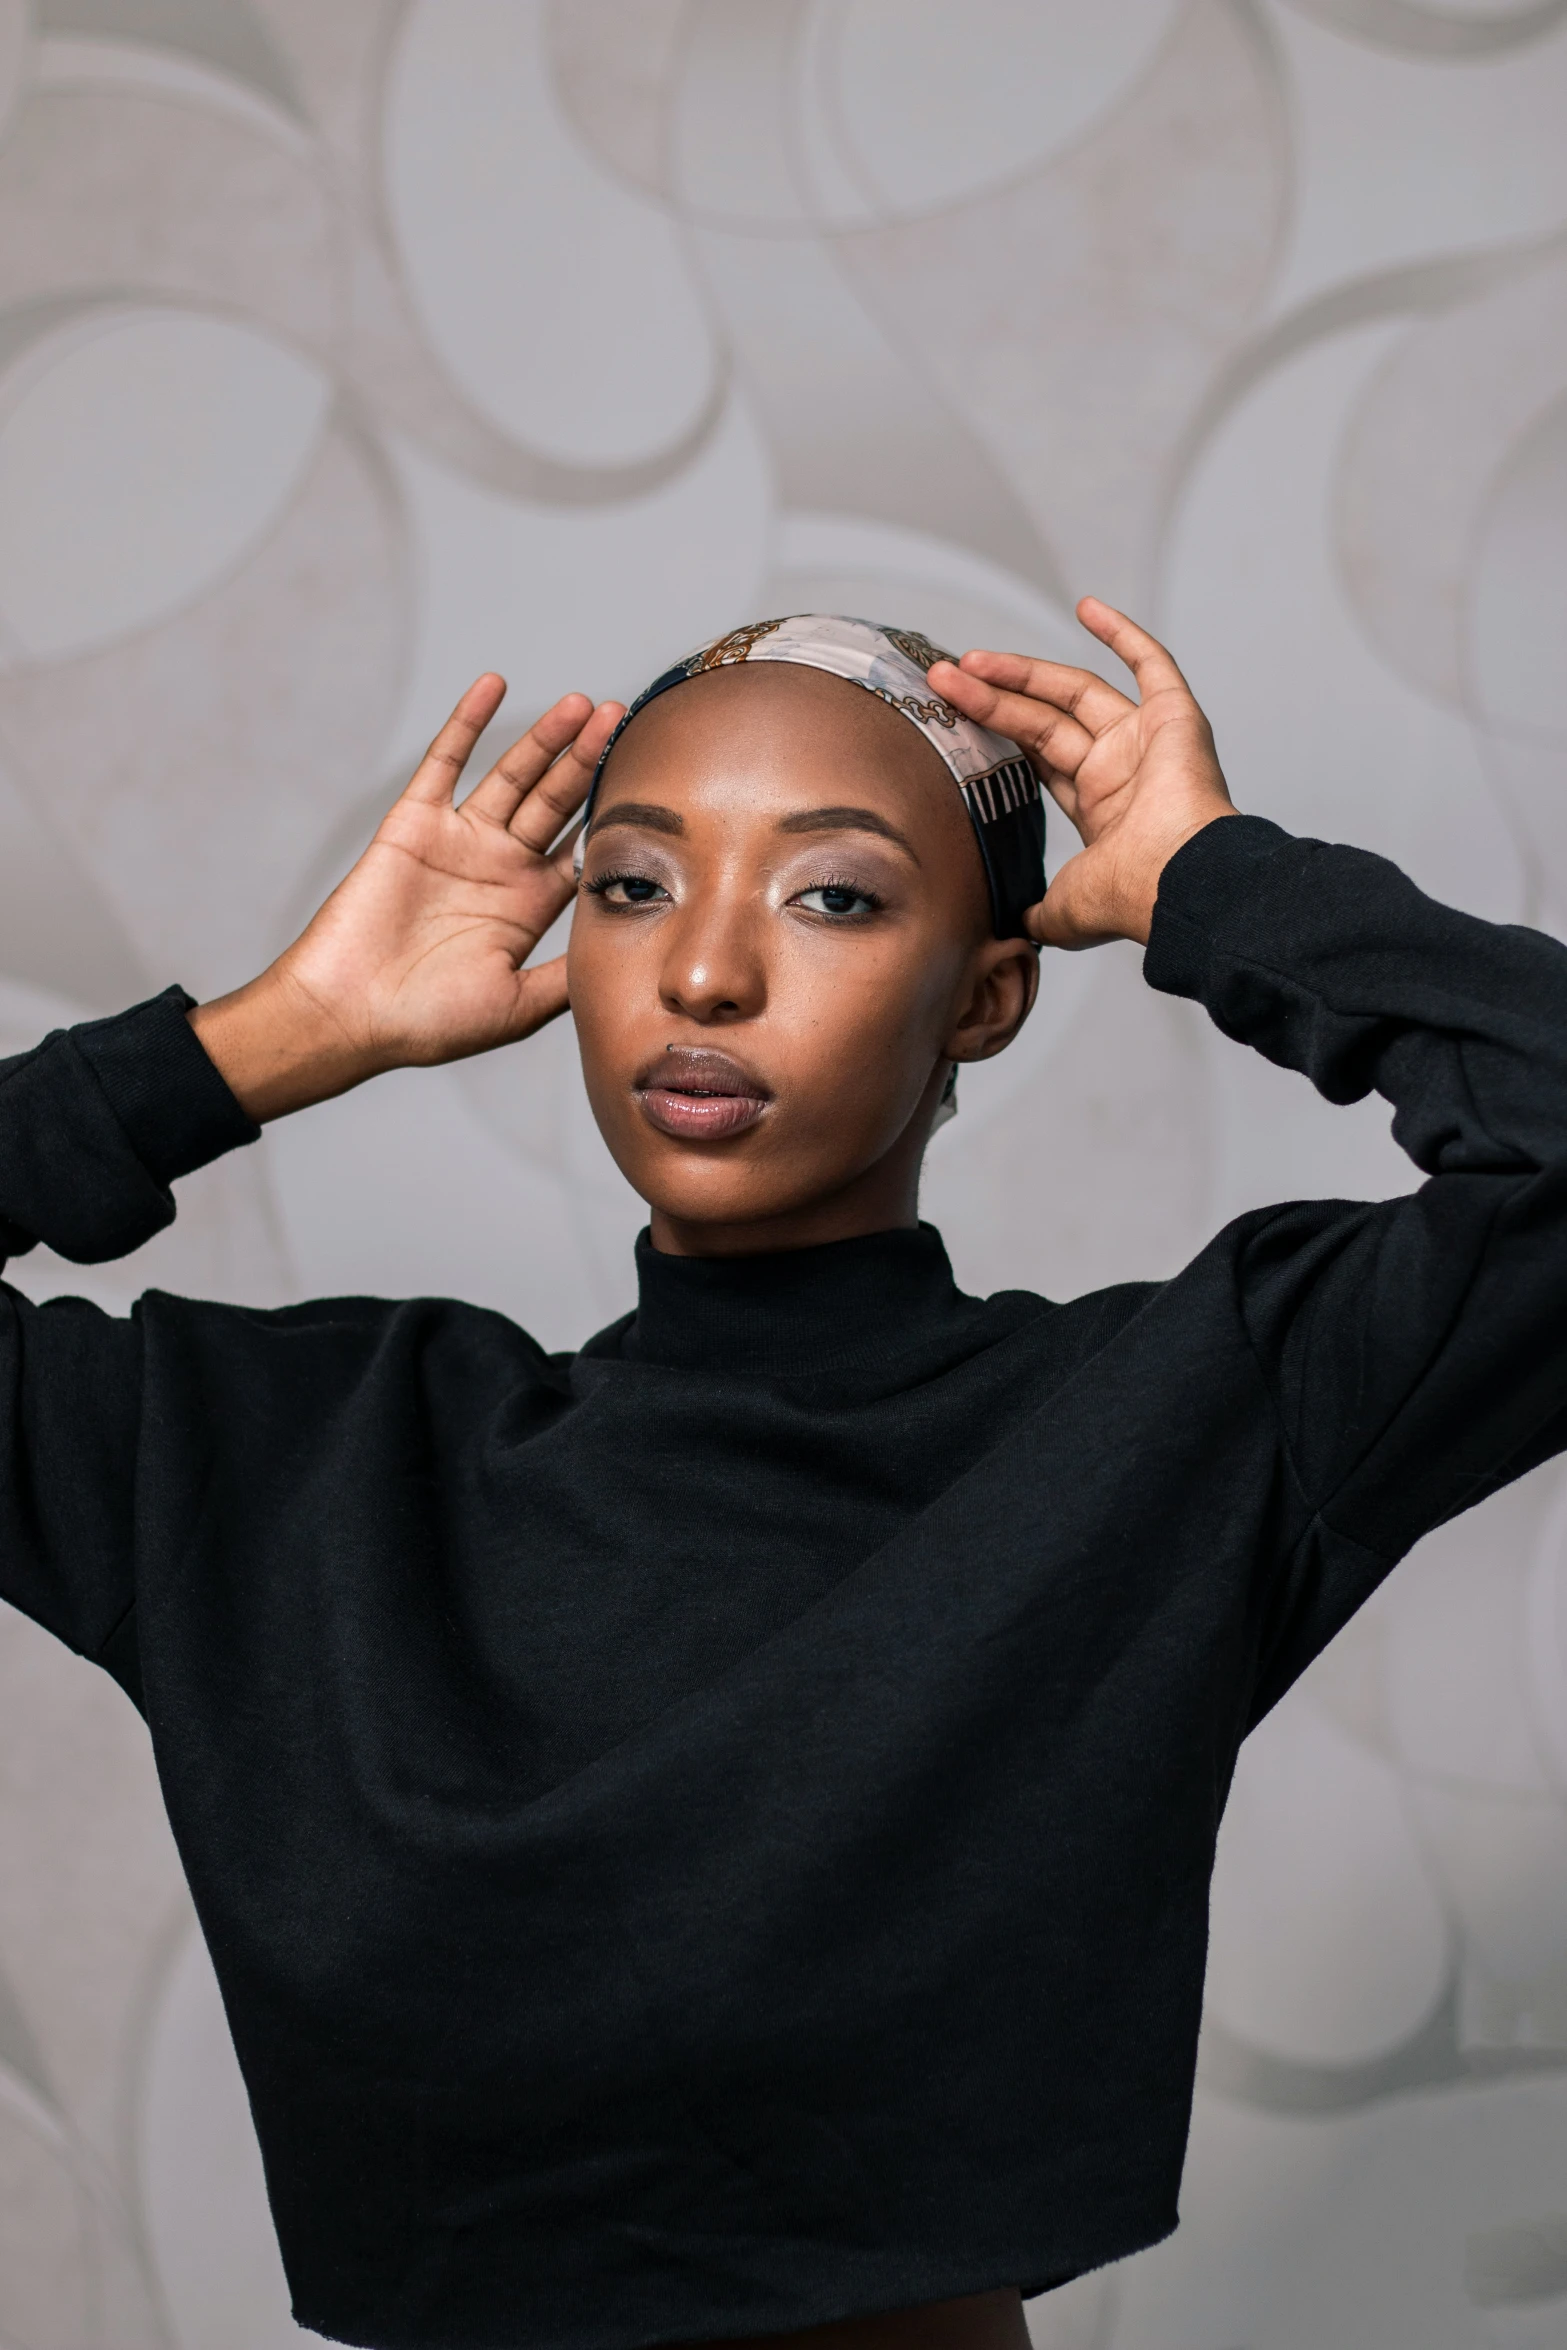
<point>166,1093</point>
<point>1209,876</point>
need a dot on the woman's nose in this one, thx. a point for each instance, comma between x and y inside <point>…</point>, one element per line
<point>713,965</point>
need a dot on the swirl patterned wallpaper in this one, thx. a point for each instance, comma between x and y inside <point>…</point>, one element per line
<point>350,346</point>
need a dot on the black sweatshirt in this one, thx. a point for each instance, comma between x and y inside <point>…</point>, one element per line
<point>713,1833</point>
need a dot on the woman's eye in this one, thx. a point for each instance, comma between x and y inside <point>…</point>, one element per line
<point>627,889</point>
<point>837,897</point>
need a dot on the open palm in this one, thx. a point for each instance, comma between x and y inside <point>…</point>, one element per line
<point>420,955</point>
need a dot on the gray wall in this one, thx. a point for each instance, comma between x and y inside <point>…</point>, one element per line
<point>347,347</point>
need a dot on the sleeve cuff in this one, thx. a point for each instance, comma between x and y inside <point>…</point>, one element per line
<point>1222,867</point>
<point>176,1111</point>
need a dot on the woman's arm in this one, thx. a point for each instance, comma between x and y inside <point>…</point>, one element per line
<point>95,1125</point>
<point>416,957</point>
<point>1416,1350</point>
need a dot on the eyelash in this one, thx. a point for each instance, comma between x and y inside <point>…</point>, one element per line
<point>857,889</point>
<point>602,883</point>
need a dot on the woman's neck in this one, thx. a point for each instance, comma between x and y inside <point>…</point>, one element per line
<point>885,1198</point>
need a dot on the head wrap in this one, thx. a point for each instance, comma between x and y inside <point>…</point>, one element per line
<point>1000,789</point>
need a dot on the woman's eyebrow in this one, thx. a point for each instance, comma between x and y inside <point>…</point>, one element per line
<point>645,813</point>
<point>847,820</point>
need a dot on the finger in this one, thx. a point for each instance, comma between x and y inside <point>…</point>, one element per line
<point>1054,921</point>
<point>435,778</point>
<point>1083,692</point>
<point>517,770</point>
<point>541,997</point>
<point>562,790</point>
<point>556,886</point>
<point>563,857</point>
<point>1063,790</point>
<point>1051,735</point>
<point>1065,683</point>
<point>1151,663</point>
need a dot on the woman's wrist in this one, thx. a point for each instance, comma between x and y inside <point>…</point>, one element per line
<point>277,1049</point>
<point>1143,893</point>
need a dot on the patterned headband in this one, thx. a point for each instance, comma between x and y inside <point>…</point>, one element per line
<point>1000,789</point>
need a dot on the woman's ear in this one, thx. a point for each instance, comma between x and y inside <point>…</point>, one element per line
<point>1004,980</point>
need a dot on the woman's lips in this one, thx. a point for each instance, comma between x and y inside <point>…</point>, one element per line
<point>703,1117</point>
<point>700,1095</point>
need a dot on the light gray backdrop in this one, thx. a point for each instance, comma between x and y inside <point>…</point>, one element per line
<point>350,346</point>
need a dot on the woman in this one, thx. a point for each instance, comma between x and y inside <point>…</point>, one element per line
<point>709,1837</point>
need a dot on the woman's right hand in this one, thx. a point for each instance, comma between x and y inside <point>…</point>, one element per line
<point>418,956</point>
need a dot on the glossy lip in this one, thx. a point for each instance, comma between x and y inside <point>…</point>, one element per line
<point>699,1094</point>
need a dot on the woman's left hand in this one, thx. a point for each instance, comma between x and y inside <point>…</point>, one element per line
<point>1136,778</point>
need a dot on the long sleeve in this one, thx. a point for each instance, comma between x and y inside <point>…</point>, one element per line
<point>1416,1350</point>
<point>95,1124</point>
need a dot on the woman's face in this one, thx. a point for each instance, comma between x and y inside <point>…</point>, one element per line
<point>781,942</point>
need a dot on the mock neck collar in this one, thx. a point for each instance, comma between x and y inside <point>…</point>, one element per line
<point>840,1308</point>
